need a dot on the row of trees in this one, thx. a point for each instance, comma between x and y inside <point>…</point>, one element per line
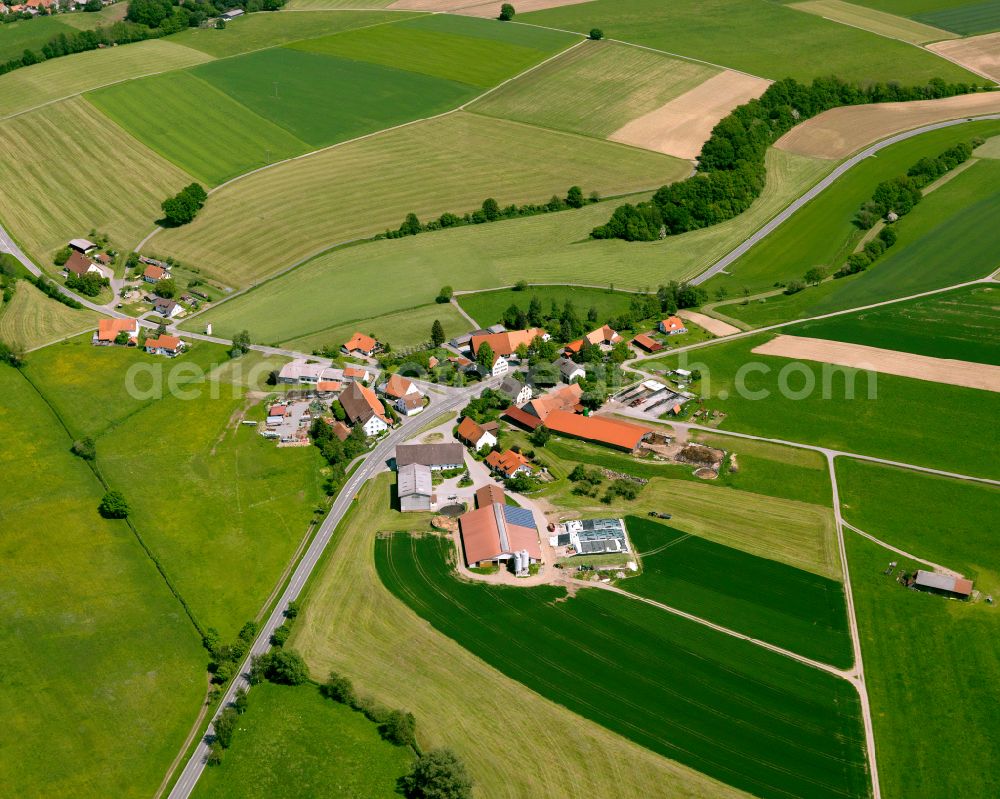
<point>336,452</point>
<point>490,211</point>
<point>170,17</point>
<point>731,170</point>
<point>184,206</point>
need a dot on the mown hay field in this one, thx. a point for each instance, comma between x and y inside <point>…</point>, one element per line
<point>349,622</point>
<point>964,322</point>
<point>551,248</point>
<point>301,207</point>
<point>31,319</point>
<point>733,710</point>
<point>870,19</point>
<point>42,83</point>
<point>196,126</point>
<point>760,37</point>
<point>966,19</point>
<point>103,671</point>
<point>90,174</point>
<point>595,88</point>
<point>902,422</point>
<point>762,598</point>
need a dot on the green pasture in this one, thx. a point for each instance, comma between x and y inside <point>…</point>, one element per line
<point>756,36</point>
<point>538,38</point>
<point>946,521</point>
<point>258,31</point>
<point>931,665</point>
<point>961,324</point>
<point>30,34</point>
<point>910,8</point>
<point>595,88</point>
<point>873,20</point>
<point>196,126</point>
<point>36,85</point>
<point>103,672</point>
<point>88,20</point>
<point>289,213</point>
<point>966,19</point>
<point>762,598</point>
<point>733,710</point>
<point>487,307</point>
<point>821,233</point>
<point>312,747</point>
<point>322,99</point>
<point>912,421</point>
<point>447,53</point>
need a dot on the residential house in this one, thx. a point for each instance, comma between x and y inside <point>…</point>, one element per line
<point>154,274</point>
<point>566,398</point>
<point>410,404</point>
<point>168,309</point>
<point>475,435</point>
<point>437,456</point>
<point>647,343</point>
<point>500,366</point>
<point>603,337</point>
<point>365,409</point>
<point>397,387</point>
<point>79,264</point>
<point>171,346</point>
<point>414,486</point>
<point>672,326</point>
<point>498,533</point>
<point>516,391</point>
<point>109,329</point>
<point>82,245</point>
<point>569,370</point>
<point>360,345</point>
<point>508,463</point>
<point>507,342</point>
<point>358,374</point>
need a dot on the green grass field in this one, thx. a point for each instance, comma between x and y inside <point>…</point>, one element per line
<point>89,175</point>
<point>455,51</point>
<point>409,328</point>
<point>91,19</point>
<point>821,233</point>
<point>42,83</point>
<point>196,126</point>
<point>966,19</point>
<point>312,746</point>
<point>487,307</point>
<point>873,20</point>
<point>31,319</point>
<point>733,710</point>
<point>257,31</point>
<point>794,609</point>
<point>930,665</point>
<point>381,179</point>
<point>950,522</point>
<point>756,36</point>
<point>937,425</point>
<point>963,324</point>
<point>544,248</point>
<point>102,670</point>
<point>30,34</point>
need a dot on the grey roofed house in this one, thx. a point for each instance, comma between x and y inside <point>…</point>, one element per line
<point>569,370</point>
<point>516,391</point>
<point>414,486</point>
<point>436,456</point>
<point>163,306</point>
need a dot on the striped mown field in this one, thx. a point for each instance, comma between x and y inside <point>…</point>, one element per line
<point>31,319</point>
<point>873,20</point>
<point>299,208</point>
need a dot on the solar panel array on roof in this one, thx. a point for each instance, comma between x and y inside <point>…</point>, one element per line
<point>522,517</point>
<point>594,529</point>
<point>563,539</point>
<point>600,546</point>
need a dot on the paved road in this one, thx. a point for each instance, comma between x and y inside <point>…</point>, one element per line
<point>372,465</point>
<point>825,183</point>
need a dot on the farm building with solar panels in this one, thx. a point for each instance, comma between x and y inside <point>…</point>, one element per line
<point>592,536</point>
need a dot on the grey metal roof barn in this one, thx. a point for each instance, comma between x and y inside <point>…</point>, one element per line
<point>943,583</point>
<point>437,456</point>
<point>414,478</point>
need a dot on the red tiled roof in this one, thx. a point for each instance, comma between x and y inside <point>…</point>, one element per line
<point>600,429</point>
<point>354,371</point>
<point>360,342</point>
<point>481,536</point>
<point>522,417</point>
<point>672,323</point>
<point>507,462</point>
<point>154,272</point>
<point>490,494</point>
<point>469,430</point>
<point>78,263</point>
<point>506,343</point>
<point>277,410</point>
<point>340,430</point>
<point>647,343</point>
<point>566,398</point>
<point>397,386</point>
<point>164,342</point>
<point>329,385</point>
<point>412,401</point>
<point>108,329</point>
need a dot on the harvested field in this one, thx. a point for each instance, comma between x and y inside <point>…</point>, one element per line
<point>681,126</point>
<point>902,364</point>
<point>841,131</point>
<point>873,20</point>
<point>979,54</point>
<point>524,6</point>
<point>989,150</point>
<point>714,326</point>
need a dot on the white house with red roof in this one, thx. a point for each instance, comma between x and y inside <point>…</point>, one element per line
<point>672,326</point>
<point>108,331</point>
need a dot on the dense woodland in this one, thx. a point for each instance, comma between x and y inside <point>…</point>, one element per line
<point>731,170</point>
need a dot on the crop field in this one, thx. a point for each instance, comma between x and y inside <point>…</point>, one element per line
<point>98,177</point>
<point>749,717</point>
<point>918,646</point>
<point>821,232</point>
<point>409,328</point>
<point>964,322</point>
<point>196,126</point>
<point>873,20</point>
<point>966,19</point>
<point>543,248</point>
<point>382,178</point>
<point>471,51</point>
<point>759,37</point>
<point>917,513</point>
<point>487,307</point>
<point>32,319</point>
<point>312,747</point>
<point>980,53</point>
<point>789,607</point>
<point>792,400</point>
<point>349,622</point>
<point>103,671</point>
<point>257,31</point>
<point>42,83</point>
<point>595,88</point>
